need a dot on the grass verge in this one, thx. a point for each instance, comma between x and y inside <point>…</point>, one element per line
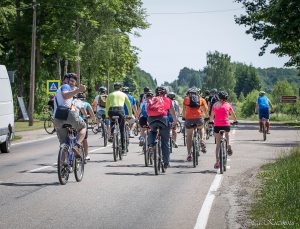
<point>277,201</point>
<point>23,126</point>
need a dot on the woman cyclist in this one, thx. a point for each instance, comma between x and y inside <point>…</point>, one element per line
<point>220,113</point>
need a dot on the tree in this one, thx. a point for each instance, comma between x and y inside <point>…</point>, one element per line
<point>247,79</point>
<point>219,72</point>
<point>277,23</point>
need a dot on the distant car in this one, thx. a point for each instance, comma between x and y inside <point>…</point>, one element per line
<point>6,111</point>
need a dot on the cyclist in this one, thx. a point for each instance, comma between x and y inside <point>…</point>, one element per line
<point>115,107</point>
<point>262,106</point>
<point>157,110</point>
<point>193,108</point>
<point>220,114</point>
<point>143,118</point>
<point>64,97</point>
<point>143,96</point>
<point>207,96</point>
<point>133,106</point>
<point>175,103</point>
<point>213,98</point>
<point>88,112</point>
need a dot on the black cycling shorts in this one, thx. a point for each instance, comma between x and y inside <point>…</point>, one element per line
<point>143,122</point>
<point>218,128</point>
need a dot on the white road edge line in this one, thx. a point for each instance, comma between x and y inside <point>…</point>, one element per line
<point>38,140</point>
<point>207,204</point>
<point>99,148</point>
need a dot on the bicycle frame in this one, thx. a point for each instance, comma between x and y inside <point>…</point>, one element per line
<point>223,151</point>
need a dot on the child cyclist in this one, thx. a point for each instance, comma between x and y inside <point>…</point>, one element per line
<point>220,113</point>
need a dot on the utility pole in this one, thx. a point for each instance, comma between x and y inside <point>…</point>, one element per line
<point>32,69</point>
<point>78,53</point>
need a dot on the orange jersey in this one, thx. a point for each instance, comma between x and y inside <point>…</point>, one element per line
<point>194,112</point>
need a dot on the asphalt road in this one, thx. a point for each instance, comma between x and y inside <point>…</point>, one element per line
<point>125,194</point>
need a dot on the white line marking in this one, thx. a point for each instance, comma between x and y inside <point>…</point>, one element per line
<point>38,140</point>
<point>39,169</point>
<point>204,212</point>
<point>228,159</point>
<point>99,148</point>
<point>227,166</point>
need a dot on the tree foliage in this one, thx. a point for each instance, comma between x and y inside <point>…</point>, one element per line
<point>277,23</point>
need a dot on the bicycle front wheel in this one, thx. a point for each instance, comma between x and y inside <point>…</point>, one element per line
<point>79,166</point>
<point>49,126</point>
<point>115,146</point>
<point>221,156</point>
<point>194,153</point>
<point>62,164</point>
<point>156,159</point>
<point>264,130</point>
<point>104,133</point>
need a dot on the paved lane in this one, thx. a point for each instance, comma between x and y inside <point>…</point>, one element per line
<point>122,194</point>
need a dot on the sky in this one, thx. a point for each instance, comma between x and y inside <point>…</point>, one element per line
<point>179,36</point>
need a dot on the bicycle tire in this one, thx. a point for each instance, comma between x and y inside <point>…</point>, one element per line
<point>194,154</point>
<point>171,145</point>
<point>136,129</point>
<point>115,147</point>
<point>264,131</point>
<point>155,160</point>
<point>62,164</point>
<point>225,156</point>
<point>221,157</point>
<point>184,137</point>
<point>179,127</point>
<point>127,129</point>
<point>79,166</point>
<point>49,125</point>
<point>207,132</point>
<point>95,128</point>
<point>120,147</point>
<point>104,133</point>
<point>161,167</point>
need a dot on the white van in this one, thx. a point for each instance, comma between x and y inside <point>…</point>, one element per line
<point>6,111</point>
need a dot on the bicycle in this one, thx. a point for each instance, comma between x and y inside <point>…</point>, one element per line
<point>117,145</point>
<point>148,158</point>
<point>208,130</point>
<point>136,130</point>
<point>126,135</point>
<point>264,129</point>
<point>156,153</point>
<point>48,121</point>
<point>67,162</point>
<point>196,145</point>
<point>223,152</point>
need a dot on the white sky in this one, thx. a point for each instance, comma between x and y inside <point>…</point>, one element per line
<point>174,41</point>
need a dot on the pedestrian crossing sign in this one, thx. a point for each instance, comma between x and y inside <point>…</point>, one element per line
<point>52,86</point>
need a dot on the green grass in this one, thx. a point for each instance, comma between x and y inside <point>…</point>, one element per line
<point>277,201</point>
<point>23,126</point>
<point>16,137</point>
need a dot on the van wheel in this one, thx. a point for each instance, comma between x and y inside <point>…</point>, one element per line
<point>5,146</point>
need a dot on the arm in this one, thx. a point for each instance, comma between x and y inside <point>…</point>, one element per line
<point>135,111</point>
<point>70,94</point>
<point>107,105</point>
<point>232,114</point>
<point>128,105</point>
<point>172,112</point>
<point>92,114</point>
<point>271,105</point>
<point>205,108</point>
<point>212,115</point>
<point>83,111</point>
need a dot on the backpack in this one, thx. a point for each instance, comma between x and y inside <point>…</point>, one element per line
<point>102,100</point>
<point>194,101</point>
<point>156,106</point>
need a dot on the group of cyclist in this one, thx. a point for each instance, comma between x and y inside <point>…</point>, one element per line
<point>153,110</point>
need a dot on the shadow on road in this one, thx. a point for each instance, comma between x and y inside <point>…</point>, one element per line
<point>201,172</point>
<point>126,166</point>
<point>24,184</point>
<point>130,174</point>
<point>100,161</point>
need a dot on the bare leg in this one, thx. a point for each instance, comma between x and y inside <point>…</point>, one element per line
<point>218,138</point>
<point>81,135</point>
<point>85,147</point>
<point>189,140</point>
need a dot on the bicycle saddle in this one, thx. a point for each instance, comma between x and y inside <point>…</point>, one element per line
<point>67,126</point>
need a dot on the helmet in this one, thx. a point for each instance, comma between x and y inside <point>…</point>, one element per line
<point>125,89</point>
<point>102,89</point>
<point>207,92</point>
<point>146,89</point>
<point>149,94</point>
<point>80,96</point>
<point>192,91</point>
<point>51,96</point>
<point>160,90</point>
<point>223,95</point>
<point>171,95</point>
<point>214,91</point>
<point>117,85</point>
<point>261,93</point>
<point>198,90</point>
<point>70,75</point>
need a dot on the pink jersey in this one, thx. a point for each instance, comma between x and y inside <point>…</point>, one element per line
<point>168,103</point>
<point>221,111</point>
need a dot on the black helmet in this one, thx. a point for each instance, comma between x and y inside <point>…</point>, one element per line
<point>207,92</point>
<point>261,93</point>
<point>117,85</point>
<point>192,91</point>
<point>214,91</point>
<point>102,89</point>
<point>160,90</point>
<point>149,94</point>
<point>70,75</point>
<point>125,89</point>
<point>146,89</point>
<point>171,95</point>
<point>223,95</point>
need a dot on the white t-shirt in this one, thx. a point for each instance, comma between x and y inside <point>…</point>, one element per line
<point>59,98</point>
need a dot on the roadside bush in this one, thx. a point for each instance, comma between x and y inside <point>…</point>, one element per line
<point>248,106</point>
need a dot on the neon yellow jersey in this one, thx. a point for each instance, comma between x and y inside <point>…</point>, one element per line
<point>117,99</point>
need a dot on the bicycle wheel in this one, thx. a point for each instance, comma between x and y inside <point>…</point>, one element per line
<point>96,128</point>
<point>171,145</point>
<point>136,129</point>
<point>79,166</point>
<point>225,156</point>
<point>264,130</point>
<point>104,133</point>
<point>49,125</point>
<point>120,146</point>
<point>62,164</point>
<point>179,127</point>
<point>161,164</point>
<point>127,130</point>
<point>221,158</point>
<point>156,161</point>
<point>184,137</point>
<point>115,146</point>
<point>207,132</point>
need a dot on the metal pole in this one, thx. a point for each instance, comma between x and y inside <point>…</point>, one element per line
<point>78,53</point>
<point>32,69</point>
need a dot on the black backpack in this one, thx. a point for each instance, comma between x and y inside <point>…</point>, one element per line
<point>194,101</point>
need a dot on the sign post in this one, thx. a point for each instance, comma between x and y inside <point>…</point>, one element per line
<point>52,86</point>
<point>288,99</point>
<point>23,109</point>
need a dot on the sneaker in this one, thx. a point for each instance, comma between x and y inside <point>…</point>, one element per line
<point>110,139</point>
<point>131,134</point>
<point>229,150</point>
<point>124,152</point>
<point>174,144</point>
<point>166,165</point>
<point>203,146</point>
<point>189,157</point>
<point>88,158</point>
<point>141,141</point>
<point>217,165</point>
<point>76,150</point>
